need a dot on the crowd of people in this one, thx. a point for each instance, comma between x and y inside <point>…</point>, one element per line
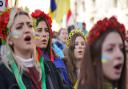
<point>32,56</point>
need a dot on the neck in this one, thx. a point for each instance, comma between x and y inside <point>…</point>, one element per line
<point>24,54</point>
<point>109,84</point>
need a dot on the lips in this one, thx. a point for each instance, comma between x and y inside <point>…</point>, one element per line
<point>44,41</point>
<point>118,68</point>
<point>27,38</point>
<point>80,52</point>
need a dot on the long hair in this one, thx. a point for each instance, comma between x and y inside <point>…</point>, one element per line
<point>8,50</point>
<point>72,60</point>
<point>91,74</point>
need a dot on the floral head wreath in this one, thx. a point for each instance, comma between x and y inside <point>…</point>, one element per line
<point>37,14</point>
<point>102,26</point>
<point>72,33</point>
<point>6,19</point>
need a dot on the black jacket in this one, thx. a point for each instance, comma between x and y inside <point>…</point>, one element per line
<point>53,78</point>
<point>8,81</point>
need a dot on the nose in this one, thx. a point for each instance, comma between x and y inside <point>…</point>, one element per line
<point>80,46</point>
<point>119,54</point>
<point>27,30</point>
<point>44,34</point>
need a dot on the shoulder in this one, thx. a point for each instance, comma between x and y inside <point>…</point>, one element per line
<point>7,79</point>
<point>5,72</point>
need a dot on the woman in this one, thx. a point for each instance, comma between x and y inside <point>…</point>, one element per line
<point>59,44</point>
<point>104,66</point>
<point>76,45</point>
<point>19,68</point>
<point>43,34</point>
<point>62,38</point>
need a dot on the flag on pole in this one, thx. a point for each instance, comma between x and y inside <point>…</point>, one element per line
<point>59,8</point>
<point>52,8</point>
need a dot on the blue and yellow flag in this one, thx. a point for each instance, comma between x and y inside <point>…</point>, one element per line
<point>52,8</point>
<point>58,8</point>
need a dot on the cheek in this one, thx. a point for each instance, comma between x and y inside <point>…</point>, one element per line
<point>37,36</point>
<point>105,58</point>
<point>75,52</point>
<point>47,35</point>
<point>16,34</point>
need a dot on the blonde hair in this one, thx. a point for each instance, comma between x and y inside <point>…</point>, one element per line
<point>7,50</point>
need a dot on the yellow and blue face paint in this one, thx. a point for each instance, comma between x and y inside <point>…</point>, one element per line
<point>16,34</point>
<point>105,58</point>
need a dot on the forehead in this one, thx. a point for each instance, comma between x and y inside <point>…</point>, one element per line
<point>79,38</point>
<point>42,23</point>
<point>22,18</point>
<point>63,30</point>
<point>112,38</point>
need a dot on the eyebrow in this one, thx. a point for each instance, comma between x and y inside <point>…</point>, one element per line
<point>42,28</point>
<point>112,45</point>
<point>39,28</point>
<point>21,23</point>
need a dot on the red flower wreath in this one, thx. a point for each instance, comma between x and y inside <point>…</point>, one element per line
<point>4,19</point>
<point>103,25</point>
<point>38,13</point>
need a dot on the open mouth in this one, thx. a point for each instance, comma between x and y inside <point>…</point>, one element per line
<point>118,66</point>
<point>80,52</point>
<point>44,41</point>
<point>27,38</point>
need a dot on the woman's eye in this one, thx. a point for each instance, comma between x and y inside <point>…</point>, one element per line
<point>76,44</point>
<point>39,30</point>
<point>110,49</point>
<point>46,29</point>
<point>19,27</point>
<point>30,26</point>
<point>82,43</point>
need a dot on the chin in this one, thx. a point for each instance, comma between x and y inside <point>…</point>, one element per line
<point>43,46</point>
<point>79,57</point>
<point>30,47</point>
<point>115,78</point>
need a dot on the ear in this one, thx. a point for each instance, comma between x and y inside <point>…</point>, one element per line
<point>10,42</point>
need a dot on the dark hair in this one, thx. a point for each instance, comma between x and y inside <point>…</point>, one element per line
<point>70,28</point>
<point>91,75</point>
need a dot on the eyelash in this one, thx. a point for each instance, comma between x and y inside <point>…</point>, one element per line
<point>40,30</point>
<point>30,26</point>
<point>110,49</point>
<point>46,29</point>
<point>81,44</point>
<point>19,27</point>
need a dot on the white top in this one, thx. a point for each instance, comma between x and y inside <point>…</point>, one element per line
<point>26,62</point>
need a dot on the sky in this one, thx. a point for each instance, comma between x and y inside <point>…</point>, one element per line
<point>38,4</point>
